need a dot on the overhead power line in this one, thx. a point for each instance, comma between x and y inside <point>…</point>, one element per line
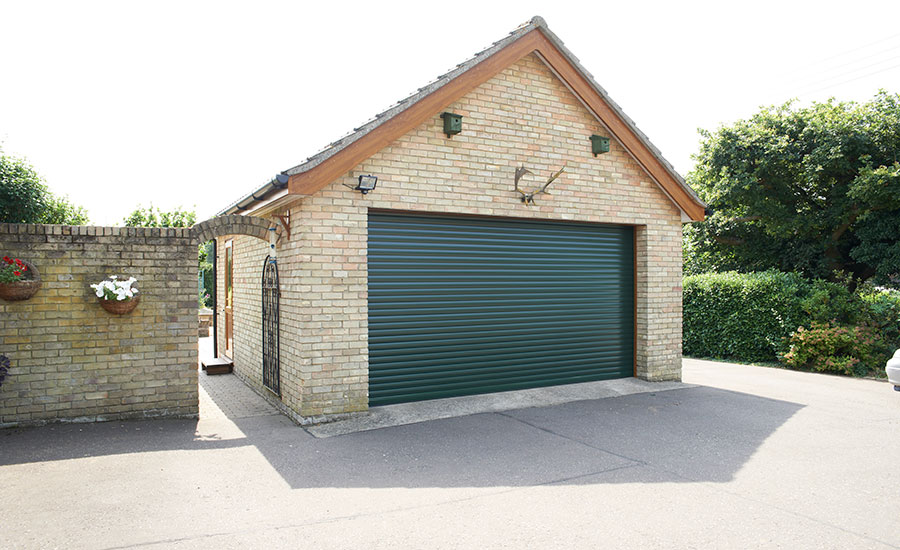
<point>816,76</point>
<point>851,80</point>
<point>848,73</point>
<point>812,65</point>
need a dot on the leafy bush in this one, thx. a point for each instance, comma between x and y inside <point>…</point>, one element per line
<point>204,299</point>
<point>883,312</point>
<point>743,316</point>
<point>770,315</point>
<point>828,302</point>
<point>846,350</point>
<point>205,252</point>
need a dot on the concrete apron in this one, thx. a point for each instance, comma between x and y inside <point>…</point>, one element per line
<point>241,395</point>
<point>423,411</point>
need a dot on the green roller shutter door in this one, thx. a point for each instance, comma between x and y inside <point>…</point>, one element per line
<point>459,306</point>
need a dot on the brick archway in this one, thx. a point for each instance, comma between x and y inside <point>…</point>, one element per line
<point>233,224</point>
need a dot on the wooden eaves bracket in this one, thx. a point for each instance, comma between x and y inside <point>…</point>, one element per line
<point>285,220</point>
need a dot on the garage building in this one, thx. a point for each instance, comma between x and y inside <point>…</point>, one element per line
<point>521,232</point>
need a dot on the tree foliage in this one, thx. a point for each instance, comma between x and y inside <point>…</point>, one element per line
<point>814,190</point>
<point>206,252</point>
<point>25,198</point>
<point>154,217</point>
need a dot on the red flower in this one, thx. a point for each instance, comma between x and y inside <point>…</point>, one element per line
<point>17,273</point>
<point>19,262</point>
<point>7,260</point>
<point>24,268</point>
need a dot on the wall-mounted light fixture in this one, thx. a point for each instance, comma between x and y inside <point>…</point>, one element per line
<point>364,184</point>
<point>599,144</point>
<point>452,123</point>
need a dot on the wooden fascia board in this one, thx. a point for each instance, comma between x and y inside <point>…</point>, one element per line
<point>314,179</point>
<point>620,130</point>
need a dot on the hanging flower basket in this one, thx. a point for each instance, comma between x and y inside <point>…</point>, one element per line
<point>119,307</point>
<point>23,279</point>
<point>115,296</point>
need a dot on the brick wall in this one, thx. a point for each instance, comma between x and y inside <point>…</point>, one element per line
<point>71,360</point>
<point>522,116</point>
<point>249,254</point>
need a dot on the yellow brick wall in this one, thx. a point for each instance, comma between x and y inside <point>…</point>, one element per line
<point>249,254</point>
<point>73,360</point>
<point>522,116</point>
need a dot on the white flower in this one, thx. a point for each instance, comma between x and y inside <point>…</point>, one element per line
<point>112,288</point>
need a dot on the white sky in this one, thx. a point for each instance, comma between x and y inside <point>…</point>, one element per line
<point>196,103</point>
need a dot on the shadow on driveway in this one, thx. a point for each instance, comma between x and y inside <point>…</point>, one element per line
<point>685,435</point>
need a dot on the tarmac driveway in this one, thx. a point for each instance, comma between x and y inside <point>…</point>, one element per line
<point>750,457</point>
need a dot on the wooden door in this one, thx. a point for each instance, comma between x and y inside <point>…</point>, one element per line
<point>229,299</point>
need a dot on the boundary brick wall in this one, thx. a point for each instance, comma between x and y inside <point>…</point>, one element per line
<point>73,361</point>
<point>522,116</point>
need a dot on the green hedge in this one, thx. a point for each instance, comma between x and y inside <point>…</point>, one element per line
<point>743,316</point>
<point>756,317</point>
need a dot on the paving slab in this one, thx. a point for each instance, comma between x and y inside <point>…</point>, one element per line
<point>227,396</point>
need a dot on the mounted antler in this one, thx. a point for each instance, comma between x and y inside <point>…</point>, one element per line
<point>521,171</point>
<point>529,197</point>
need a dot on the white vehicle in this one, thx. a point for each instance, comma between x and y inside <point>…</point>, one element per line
<point>893,370</point>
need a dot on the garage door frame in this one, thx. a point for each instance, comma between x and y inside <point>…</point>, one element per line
<point>634,230</point>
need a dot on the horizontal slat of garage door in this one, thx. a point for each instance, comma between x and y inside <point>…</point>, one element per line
<point>459,306</point>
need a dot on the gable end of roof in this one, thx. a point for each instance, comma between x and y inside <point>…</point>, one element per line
<point>533,37</point>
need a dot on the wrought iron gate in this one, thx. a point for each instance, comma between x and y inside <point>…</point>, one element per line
<point>270,317</point>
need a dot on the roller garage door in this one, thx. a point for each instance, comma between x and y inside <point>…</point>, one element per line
<point>459,306</point>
